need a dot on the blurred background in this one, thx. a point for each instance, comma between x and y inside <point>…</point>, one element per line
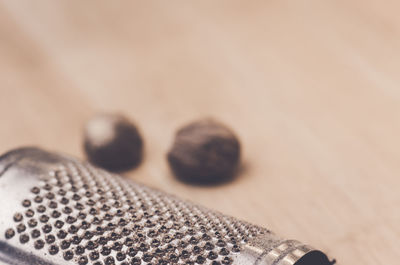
<point>310,87</point>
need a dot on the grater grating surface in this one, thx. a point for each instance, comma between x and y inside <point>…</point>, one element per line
<point>70,212</point>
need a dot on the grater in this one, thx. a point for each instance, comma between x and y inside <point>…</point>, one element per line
<point>58,210</point>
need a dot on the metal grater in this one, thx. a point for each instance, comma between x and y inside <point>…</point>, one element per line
<point>57,210</point>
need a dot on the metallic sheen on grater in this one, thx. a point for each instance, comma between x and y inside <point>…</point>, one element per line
<point>57,210</point>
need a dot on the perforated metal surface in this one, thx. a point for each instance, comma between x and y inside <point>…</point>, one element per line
<point>90,216</point>
<point>62,211</point>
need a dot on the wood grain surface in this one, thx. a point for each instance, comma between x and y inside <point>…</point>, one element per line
<point>311,87</point>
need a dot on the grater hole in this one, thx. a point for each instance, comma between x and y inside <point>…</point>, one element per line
<point>39,244</point>
<point>10,233</point>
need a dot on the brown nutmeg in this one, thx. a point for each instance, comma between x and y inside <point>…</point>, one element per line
<point>113,142</point>
<point>204,151</point>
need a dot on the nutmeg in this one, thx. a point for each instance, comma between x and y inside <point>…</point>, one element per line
<point>113,142</point>
<point>204,151</point>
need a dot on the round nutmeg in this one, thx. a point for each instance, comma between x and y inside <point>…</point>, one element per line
<point>112,142</point>
<point>204,151</point>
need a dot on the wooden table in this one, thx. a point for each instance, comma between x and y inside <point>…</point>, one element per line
<point>311,87</point>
